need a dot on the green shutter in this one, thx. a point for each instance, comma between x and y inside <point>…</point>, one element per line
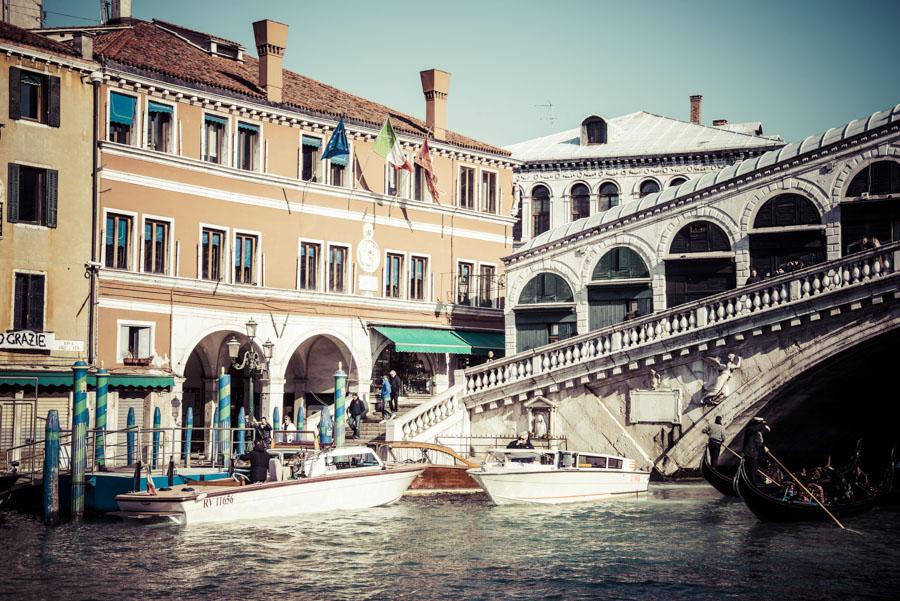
<point>53,102</point>
<point>13,195</point>
<point>15,95</point>
<point>35,303</point>
<point>52,183</point>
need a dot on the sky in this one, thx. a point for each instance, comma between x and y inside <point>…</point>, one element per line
<point>799,66</point>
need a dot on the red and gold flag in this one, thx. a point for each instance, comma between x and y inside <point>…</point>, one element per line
<point>424,160</point>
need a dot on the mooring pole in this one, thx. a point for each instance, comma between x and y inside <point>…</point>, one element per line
<point>51,468</point>
<point>326,427</point>
<point>130,436</point>
<point>79,436</point>
<point>214,432</point>
<point>188,431</point>
<point>299,414</point>
<point>340,409</point>
<point>241,435</point>
<point>276,424</point>
<point>225,415</point>
<point>157,424</point>
<point>100,418</point>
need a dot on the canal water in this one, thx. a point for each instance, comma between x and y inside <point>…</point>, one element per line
<point>681,541</point>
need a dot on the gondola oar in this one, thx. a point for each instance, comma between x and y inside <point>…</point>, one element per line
<point>806,490</point>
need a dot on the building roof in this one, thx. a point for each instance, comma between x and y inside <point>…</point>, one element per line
<point>156,47</point>
<point>23,37</point>
<point>639,134</point>
<point>715,178</point>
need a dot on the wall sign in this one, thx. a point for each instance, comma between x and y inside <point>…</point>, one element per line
<point>26,340</point>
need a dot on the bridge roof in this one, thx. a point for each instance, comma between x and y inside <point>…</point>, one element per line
<point>714,178</point>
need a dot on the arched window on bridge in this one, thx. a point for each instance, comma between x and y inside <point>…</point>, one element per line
<point>677,181</point>
<point>871,207</point>
<point>700,263</point>
<point>619,288</point>
<point>540,210</point>
<point>545,312</point>
<point>787,235</point>
<point>581,201</point>
<point>609,196</point>
<point>517,227</point>
<point>648,186</point>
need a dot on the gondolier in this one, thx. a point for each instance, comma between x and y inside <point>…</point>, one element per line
<point>753,446</point>
<point>716,433</point>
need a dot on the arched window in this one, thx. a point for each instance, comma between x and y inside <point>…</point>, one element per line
<point>593,131</point>
<point>699,237</point>
<point>785,210</point>
<point>581,201</point>
<point>540,210</point>
<point>877,179</point>
<point>546,288</point>
<point>620,263</point>
<point>517,226</point>
<point>648,186</point>
<point>609,196</point>
<point>677,181</point>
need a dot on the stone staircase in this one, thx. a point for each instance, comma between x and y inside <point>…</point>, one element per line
<point>371,430</point>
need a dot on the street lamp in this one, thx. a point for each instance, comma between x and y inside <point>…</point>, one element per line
<point>251,360</point>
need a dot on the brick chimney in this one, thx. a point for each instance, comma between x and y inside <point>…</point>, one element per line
<point>436,86</point>
<point>121,9</point>
<point>696,99</point>
<point>271,40</point>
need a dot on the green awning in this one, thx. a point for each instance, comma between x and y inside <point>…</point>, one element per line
<point>143,382</point>
<point>482,342</point>
<point>424,340</point>
<point>26,379</point>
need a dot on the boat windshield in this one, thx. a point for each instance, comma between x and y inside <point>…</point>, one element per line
<point>505,456</point>
<point>350,460</point>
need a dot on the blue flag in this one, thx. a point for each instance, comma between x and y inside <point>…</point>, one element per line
<point>337,147</point>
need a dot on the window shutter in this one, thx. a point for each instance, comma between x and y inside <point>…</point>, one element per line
<point>15,96</point>
<point>52,177</point>
<point>19,309</point>
<point>144,342</point>
<point>123,343</point>
<point>13,195</point>
<point>36,303</point>
<point>53,102</point>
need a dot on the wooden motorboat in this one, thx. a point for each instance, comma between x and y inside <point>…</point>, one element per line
<point>721,480</point>
<point>445,469</point>
<point>553,477</point>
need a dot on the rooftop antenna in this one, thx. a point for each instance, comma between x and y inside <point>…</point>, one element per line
<point>548,116</point>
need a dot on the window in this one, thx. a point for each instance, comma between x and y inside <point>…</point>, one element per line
<point>121,117</point>
<point>488,192</point>
<point>546,288</point>
<point>159,126</point>
<point>248,146</point>
<point>648,186</point>
<point>393,268</point>
<point>418,182</point>
<point>337,268</point>
<point>244,258</point>
<point>33,96</point>
<point>540,210</point>
<point>310,149</point>
<point>463,282</point>
<point>213,253</point>
<point>28,312</point>
<point>156,244</point>
<point>135,346</point>
<point>118,241</point>
<point>581,202</point>
<point>486,286</point>
<point>397,182</point>
<point>700,236</point>
<point>620,263</point>
<point>214,135</point>
<point>609,196</point>
<point>32,195</point>
<point>677,181</point>
<point>877,179</point>
<point>593,131</point>
<point>467,187</point>
<point>418,268</point>
<point>787,209</point>
<point>336,175</point>
<point>309,266</point>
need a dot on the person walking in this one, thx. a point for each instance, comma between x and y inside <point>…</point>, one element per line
<point>357,409</point>
<point>396,386</point>
<point>385,399</point>
<point>716,433</point>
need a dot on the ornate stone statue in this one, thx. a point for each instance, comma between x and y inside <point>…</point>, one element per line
<point>655,379</point>
<point>540,426</point>
<point>715,386</point>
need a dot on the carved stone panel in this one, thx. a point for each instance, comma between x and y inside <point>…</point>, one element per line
<point>654,407</point>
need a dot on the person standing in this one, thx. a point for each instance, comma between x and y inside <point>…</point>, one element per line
<point>289,427</point>
<point>385,399</point>
<point>716,433</point>
<point>396,385</point>
<point>263,430</point>
<point>522,442</point>
<point>754,445</point>
<point>357,409</point>
<point>754,277</point>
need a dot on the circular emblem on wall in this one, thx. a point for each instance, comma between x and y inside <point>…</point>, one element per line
<point>367,255</point>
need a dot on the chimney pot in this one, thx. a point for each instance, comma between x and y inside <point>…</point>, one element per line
<point>436,86</point>
<point>121,9</point>
<point>720,122</point>
<point>696,99</point>
<point>271,40</point>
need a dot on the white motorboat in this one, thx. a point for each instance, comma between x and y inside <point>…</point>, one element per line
<point>299,482</point>
<point>551,477</point>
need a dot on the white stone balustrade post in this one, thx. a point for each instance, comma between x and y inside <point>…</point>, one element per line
<point>796,287</point>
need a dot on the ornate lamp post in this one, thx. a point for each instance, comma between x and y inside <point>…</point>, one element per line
<point>251,360</point>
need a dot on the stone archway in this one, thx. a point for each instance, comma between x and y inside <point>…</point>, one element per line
<point>309,372</point>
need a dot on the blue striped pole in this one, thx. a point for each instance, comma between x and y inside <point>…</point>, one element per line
<point>340,409</point>
<point>215,434</point>
<point>225,414</point>
<point>241,435</point>
<point>188,431</point>
<point>276,423</point>
<point>130,435</point>
<point>79,435</point>
<point>326,427</point>
<point>51,468</point>
<point>100,418</point>
<point>299,414</point>
<point>157,424</point>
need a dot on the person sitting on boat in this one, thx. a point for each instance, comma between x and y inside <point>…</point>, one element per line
<point>522,442</point>
<point>263,431</point>
<point>259,462</point>
<point>716,433</point>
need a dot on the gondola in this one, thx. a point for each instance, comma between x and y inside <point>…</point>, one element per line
<point>763,502</point>
<point>722,481</point>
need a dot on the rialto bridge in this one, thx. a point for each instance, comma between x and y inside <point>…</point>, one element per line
<point>698,340</point>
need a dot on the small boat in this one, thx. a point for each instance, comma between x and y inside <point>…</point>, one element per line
<point>445,469</point>
<point>299,483</point>
<point>7,480</point>
<point>763,500</point>
<point>721,480</point>
<point>553,477</point>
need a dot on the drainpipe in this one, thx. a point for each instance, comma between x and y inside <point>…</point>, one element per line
<point>94,266</point>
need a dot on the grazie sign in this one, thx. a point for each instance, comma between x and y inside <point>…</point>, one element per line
<point>27,340</point>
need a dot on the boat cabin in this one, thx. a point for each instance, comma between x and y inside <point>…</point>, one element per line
<point>575,460</point>
<point>291,464</point>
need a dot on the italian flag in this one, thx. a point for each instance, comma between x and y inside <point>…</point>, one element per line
<point>387,146</point>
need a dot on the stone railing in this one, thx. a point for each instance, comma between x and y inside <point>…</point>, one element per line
<point>771,294</point>
<point>416,421</point>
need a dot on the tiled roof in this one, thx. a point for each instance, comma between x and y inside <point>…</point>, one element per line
<point>715,178</point>
<point>23,37</point>
<point>639,134</point>
<point>151,47</point>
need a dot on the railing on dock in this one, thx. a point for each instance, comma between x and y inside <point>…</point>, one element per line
<point>478,446</point>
